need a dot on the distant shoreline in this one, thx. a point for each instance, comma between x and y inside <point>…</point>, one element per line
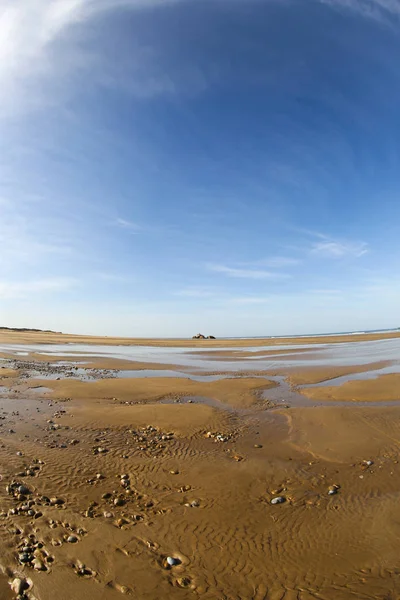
<point>14,336</point>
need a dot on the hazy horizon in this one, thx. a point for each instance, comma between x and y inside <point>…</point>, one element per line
<point>226,166</point>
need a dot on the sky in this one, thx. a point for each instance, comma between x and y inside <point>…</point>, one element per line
<point>230,167</point>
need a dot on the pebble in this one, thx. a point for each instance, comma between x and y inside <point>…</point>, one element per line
<point>108,515</point>
<point>24,558</point>
<point>172,562</point>
<point>19,586</point>
<point>119,502</point>
<point>278,500</point>
<point>122,522</point>
<point>56,501</point>
<point>183,582</point>
<point>22,489</point>
<point>38,565</point>
<point>72,539</point>
<point>333,489</point>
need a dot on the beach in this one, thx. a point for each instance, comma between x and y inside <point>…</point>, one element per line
<point>257,469</point>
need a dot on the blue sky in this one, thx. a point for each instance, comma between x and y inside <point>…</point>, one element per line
<point>225,166</point>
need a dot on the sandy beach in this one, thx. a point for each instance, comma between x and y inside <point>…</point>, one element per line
<point>169,471</point>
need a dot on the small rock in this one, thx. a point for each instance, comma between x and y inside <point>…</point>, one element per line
<point>172,562</point>
<point>278,500</point>
<point>183,582</point>
<point>119,502</point>
<point>121,522</point>
<point>22,489</point>
<point>38,565</point>
<point>108,515</point>
<point>72,539</point>
<point>333,489</point>
<point>24,558</point>
<point>56,501</point>
<point>122,589</point>
<point>19,586</point>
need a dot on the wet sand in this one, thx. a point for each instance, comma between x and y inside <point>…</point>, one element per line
<point>122,473</point>
<point>386,387</point>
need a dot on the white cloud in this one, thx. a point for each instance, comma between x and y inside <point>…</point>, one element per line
<point>247,273</point>
<point>336,249</point>
<point>10,290</point>
<point>42,46</point>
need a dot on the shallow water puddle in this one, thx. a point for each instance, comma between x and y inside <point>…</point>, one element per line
<point>146,373</point>
<point>346,353</point>
<point>39,389</point>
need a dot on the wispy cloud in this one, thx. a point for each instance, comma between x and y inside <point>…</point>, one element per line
<point>129,225</point>
<point>330,246</point>
<point>114,277</point>
<point>336,249</point>
<point>279,262</point>
<point>379,10</point>
<point>23,240</point>
<point>243,300</point>
<point>10,290</point>
<point>327,292</point>
<point>196,292</point>
<point>247,273</point>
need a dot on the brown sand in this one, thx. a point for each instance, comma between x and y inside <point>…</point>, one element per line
<point>240,393</point>
<point>202,501</point>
